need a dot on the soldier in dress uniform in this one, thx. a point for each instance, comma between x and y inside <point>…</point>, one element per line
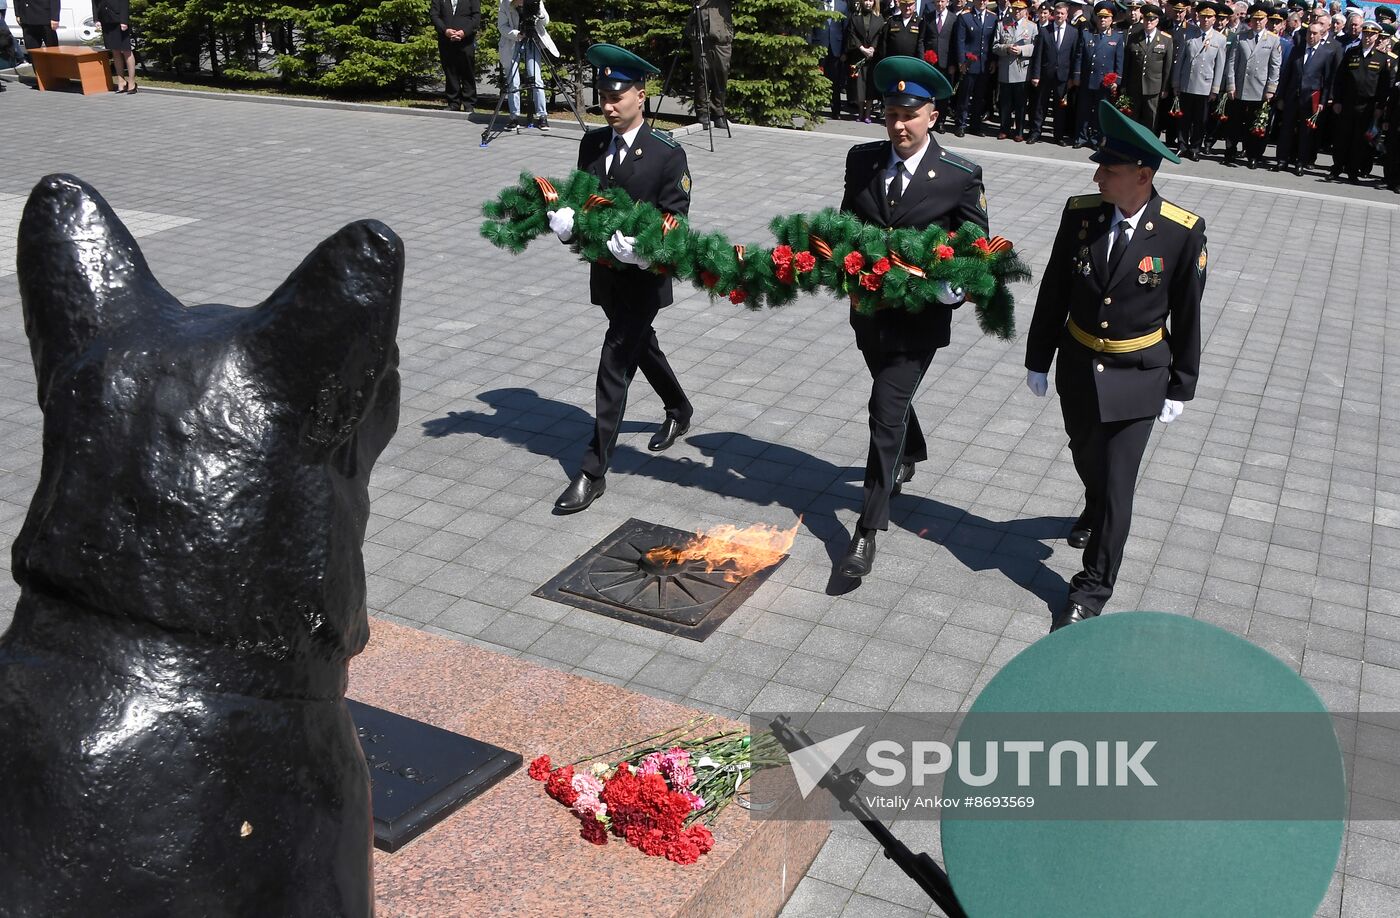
<point>1200,68</point>
<point>1015,44</point>
<point>650,167</point>
<point>1120,305</point>
<point>1174,25</point>
<point>1100,53</point>
<point>1147,67</point>
<point>1251,78</point>
<point>1359,94</point>
<point>904,31</point>
<point>908,180</point>
<point>973,35</point>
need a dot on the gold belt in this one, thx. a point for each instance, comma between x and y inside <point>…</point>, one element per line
<point>1109,346</point>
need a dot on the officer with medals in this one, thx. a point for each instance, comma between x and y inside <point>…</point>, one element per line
<point>650,167</point>
<point>1120,303</point>
<point>908,180</point>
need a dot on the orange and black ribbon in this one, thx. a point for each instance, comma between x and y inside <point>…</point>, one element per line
<point>547,189</point>
<point>596,200</point>
<point>915,270</point>
<point>821,247</point>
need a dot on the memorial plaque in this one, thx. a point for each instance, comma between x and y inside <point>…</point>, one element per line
<point>420,774</point>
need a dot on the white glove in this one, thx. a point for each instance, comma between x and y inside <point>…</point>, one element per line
<point>951,296</point>
<point>1038,383</point>
<point>515,35</point>
<point>562,222</point>
<point>623,250</point>
<point>1171,410</point>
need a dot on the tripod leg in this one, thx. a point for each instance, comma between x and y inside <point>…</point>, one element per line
<point>665,87</point>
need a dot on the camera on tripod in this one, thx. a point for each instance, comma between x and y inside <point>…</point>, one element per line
<point>529,12</point>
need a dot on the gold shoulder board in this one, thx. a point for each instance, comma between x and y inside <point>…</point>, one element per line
<point>1177,215</point>
<point>1084,201</point>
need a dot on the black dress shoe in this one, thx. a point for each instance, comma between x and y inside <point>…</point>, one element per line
<point>670,430</point>
<point>1071,614</point>
<point>860,557</point>
<point>581,492</point>
<point>1079,532</point>
<point>958,132</point>
<point>902,473</point>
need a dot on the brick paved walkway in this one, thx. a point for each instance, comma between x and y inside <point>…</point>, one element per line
<point>1266,509</point>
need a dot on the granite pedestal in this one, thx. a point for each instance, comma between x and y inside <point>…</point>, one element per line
<point>513,851</point>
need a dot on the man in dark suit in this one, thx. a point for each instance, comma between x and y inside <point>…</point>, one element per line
<point>1120,303</point>
<point>1359,92</point>
<point>1050,71</point>
<point>650,167</point>
<point>972,56</point>
<point>38,20</point>
<point>456,23</point>
<point>938,37</point>
<point>1303,94</point>
<point>905,181</point>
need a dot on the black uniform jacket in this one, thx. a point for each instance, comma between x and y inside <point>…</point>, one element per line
<point>1130,304</point>
<point>655,171</point>
<point>946,192</point>
<point>36,12</point>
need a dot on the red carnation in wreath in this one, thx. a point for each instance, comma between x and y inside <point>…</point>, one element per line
<point>782,255</point>
<point>931,57</point>
<point>982,245</point>
<point>853,263</point>
<point>784,273</point>
<point>871,281</point>
<point>805,261</point>
<point>709,280</point>
<point>944,252</point>
<point>737,296</point>
<point>880,267</point>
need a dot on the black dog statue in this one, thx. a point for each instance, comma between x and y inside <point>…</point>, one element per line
<point>173,729</point>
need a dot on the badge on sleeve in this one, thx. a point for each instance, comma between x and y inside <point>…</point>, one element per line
<point>1201,261</point>
<point>982,202</point>
<point>685,183</point>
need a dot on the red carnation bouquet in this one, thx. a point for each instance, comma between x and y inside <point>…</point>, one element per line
<point>1110,80</point>
<point>931,57</point>
<point>1222,108</point>
<point>1176,111</point>
<point>1260,126</point>
<point>660,794</point>
<point>1316,110</point>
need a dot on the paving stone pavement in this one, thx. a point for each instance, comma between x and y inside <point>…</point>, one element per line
<point>1266,509</point>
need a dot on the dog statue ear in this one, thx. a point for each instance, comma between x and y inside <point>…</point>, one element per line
<point>81,273</point>
<point>328,332</point>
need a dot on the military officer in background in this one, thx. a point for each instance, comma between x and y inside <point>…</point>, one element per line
<point>1120,304</point>
<point>1014,47</point>
<point>1174,24</point>
<point>973,35</point>
<point>904,31</point>
<point>1147,67</point>
<point>1359,94</point>
<point>1251,78</point>
<point>1199,71</point>
<point>650,167</point>
<point>1100,53</point>
<point>905,181</point>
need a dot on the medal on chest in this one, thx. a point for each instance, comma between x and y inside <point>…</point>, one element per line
<point>1150,271</point>
<point>1082,264</point>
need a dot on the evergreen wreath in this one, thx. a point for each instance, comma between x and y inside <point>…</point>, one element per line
<point>877,268</point>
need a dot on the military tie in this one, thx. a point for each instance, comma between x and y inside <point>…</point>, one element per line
<point>619,151</point>
<point>897,186</point>
<point>1120,245</point>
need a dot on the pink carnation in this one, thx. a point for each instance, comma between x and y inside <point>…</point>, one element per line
<point>681,776</point>
<point>651,765</point>
<point>696,801</point>
<point>586,784</point>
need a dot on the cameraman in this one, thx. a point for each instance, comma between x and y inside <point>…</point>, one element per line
<point>716,31</point>
<point>508,20</point>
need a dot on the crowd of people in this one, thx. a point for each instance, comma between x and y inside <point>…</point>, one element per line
<point>1203,75</point>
